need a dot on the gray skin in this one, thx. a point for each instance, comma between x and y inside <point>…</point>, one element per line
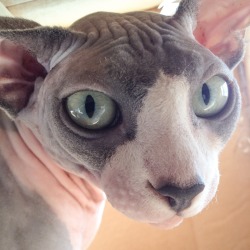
<point>123,54</point>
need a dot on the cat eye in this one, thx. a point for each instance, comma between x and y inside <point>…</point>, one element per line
<point>211,97</point>
<point>91,109</point>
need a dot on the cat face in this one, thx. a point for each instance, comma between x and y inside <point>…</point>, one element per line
<point>139,117</point>
<point>136,105</point>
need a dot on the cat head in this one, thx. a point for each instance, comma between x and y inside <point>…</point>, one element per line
<point>133,102</point>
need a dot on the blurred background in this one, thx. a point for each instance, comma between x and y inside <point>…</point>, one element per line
<point>225,223</point>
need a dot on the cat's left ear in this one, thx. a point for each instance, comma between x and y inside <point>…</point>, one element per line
<point>217,25</point>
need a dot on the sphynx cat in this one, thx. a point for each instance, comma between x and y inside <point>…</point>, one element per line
<point>131,107</point>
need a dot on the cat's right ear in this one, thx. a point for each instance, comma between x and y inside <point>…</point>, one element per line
<point>26,55</point>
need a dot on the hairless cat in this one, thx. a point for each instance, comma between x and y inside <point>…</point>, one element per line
<point>135,107</point>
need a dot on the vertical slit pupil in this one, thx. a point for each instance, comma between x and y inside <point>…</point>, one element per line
<point>90,106</point>
<point>205,93</point>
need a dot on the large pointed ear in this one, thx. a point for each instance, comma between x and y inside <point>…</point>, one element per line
<point>221,27</point>
<point>218,25</point>
<point>26,55</point>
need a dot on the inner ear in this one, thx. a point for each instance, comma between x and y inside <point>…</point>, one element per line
<point>222,29</point>
<point>18,71</point>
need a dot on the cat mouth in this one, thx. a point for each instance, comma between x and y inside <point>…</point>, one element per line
<point>169,223</point>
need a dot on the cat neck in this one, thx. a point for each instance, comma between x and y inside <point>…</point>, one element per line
<point>75,201</point>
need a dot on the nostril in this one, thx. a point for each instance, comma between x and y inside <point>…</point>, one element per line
<point>180,198</point>
<point>171,201</point>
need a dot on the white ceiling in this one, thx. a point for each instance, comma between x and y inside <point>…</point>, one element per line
<point>64,12</point>
<point>8,3</point>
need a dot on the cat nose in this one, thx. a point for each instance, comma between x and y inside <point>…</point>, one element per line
<point>180,198</point>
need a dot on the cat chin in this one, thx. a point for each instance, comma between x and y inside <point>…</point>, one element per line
<point>151,209</point>
<point>173,222</point>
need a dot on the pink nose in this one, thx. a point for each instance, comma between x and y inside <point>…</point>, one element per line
<point>180,198</point>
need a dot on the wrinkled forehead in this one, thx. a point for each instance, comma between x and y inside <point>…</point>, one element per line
<point>127,51</point>
<point>140,43</point>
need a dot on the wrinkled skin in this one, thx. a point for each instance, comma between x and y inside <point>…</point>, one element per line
<point>157,164</point>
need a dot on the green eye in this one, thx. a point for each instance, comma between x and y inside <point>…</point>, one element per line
<point>91,109</point>
<point>211,98</point>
